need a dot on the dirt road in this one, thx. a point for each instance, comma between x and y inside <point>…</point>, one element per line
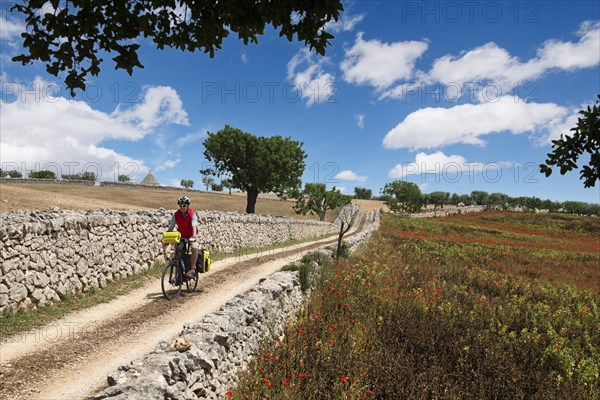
<point>70,358</point>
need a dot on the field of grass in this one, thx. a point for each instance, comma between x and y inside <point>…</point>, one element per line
<point>492,305</point>
<point>44,196</point>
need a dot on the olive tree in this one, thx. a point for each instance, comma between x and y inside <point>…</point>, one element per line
<point>187,183</point>
<point>44,174</point>
<point>315,199</point>
<point>404,197</point>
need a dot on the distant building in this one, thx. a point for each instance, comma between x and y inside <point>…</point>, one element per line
<point>150,180</point>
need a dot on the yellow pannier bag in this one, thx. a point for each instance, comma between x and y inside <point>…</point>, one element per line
<point>171,237</point>
<point>206,261</point>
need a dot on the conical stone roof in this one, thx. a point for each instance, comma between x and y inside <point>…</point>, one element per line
<point>150,180</point>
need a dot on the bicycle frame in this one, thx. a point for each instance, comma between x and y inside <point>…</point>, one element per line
<point>174,274</point>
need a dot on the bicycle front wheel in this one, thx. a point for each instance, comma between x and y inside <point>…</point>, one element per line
<point>192,283</point>
<point>171,281</point>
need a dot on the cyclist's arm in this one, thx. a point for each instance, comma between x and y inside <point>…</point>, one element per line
<point>172,223</point>
<point>195,224</point>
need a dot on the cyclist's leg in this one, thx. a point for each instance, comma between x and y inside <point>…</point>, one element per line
<point>194,245</point>
<point>166,254</point>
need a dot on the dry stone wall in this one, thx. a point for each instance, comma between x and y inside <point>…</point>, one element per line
<point>45,256</point>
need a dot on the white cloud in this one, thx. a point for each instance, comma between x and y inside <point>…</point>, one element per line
<point>244,57</point>
<point>468,123</point>
<point>360,120</point>
<point>168,164</point>
<point>489,63</point>
<point>191,138</point>
<point>435,163</point>
<point>313,83</point>
<point>570,56</point>
<point>160,105</point>
<point>380,64</point>
<point>559,127</point>
<point>348,175</point>
<point>46,130</point>
<point>346,23</point>
<point>10,29</point>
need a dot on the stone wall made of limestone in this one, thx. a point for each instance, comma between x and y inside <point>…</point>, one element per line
<point>45,256</point>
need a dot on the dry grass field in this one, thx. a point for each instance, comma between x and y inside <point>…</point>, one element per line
<point>45,196</point>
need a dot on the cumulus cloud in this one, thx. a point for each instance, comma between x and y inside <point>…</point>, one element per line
<point>348,175</point>
<point>160,105</point>
<point>48,130</point>
<point>309,76</point>
<point>434,127</point>
<point>490,63</point>
<point>436,163</point>
<point>371,62</point>
<point>559,127</point>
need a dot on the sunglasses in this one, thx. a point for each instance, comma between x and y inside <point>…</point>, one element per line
<point>183,205</point>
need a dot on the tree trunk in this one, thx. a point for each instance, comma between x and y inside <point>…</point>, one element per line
<point>341,235</point>
<point>322,216</point>
<point>339,243</point>
<point>251,200</point>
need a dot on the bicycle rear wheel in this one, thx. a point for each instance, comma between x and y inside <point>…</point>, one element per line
<point>171,281</point>
<point>192,283</point>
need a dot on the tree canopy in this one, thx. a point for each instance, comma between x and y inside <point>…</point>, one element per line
<point>187,183</point>
<point>585,139</point>
<point>44,174</point>
<point>362,193</point>
<point>255,164</point>
<point>71,36</point>
<point>405,197</point>
<point>315,199</point>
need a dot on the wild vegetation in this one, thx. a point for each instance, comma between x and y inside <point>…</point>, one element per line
<point>493,305</point>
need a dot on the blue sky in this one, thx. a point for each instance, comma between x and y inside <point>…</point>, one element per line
<point>453,96</point>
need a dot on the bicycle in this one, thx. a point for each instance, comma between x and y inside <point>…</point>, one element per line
<point>174,274</point>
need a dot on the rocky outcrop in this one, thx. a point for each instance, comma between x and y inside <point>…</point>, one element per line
<point>44,256</point>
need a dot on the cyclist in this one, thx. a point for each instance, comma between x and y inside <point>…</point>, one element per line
<point>187,224</point>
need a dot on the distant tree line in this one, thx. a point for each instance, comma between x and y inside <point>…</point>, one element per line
<point>10,174</point>
<point>47,174</point>
<point>403,197</point>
